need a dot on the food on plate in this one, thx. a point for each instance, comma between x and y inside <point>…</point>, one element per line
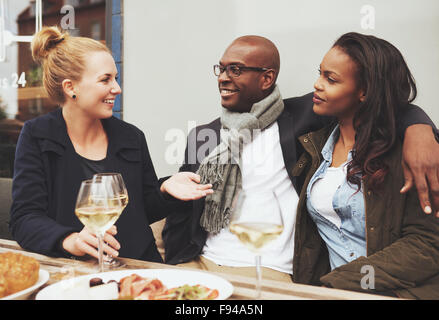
<point>187,292</point>
<point>140,288</point>
<point>17,272</point>
<point>95,282</point>
<point>137,287</point>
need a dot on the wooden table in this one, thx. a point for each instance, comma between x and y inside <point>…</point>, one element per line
<point>61,268</point>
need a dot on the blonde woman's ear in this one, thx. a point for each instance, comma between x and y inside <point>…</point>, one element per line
<point>68,88</point>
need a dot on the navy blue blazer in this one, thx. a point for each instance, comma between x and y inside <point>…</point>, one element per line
<point>47,177</point>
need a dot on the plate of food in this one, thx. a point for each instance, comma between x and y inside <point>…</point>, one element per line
<point>20,276</point>
<point>140,284</point>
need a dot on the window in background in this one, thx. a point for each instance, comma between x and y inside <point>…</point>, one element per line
<point>95,32</point>
<point>22,96</point>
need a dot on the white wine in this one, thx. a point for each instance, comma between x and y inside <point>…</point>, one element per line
<point>98,219</point>
<point>124,200</point>
<point>121,200</point>
<point>256,234</point>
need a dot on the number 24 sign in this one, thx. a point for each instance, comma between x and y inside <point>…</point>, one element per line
<point>14,81</point>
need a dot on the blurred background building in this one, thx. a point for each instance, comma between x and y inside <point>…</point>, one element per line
<point>22,95</point>
<point>89,22</point>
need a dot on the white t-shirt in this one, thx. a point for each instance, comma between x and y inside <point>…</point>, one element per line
<point>263,169</point>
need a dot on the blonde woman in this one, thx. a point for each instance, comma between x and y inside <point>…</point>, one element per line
<point>57,151</point>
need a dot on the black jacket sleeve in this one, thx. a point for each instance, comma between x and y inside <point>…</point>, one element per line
<point>30,223</point>
<point>412,114</point>
<point>182,225</point>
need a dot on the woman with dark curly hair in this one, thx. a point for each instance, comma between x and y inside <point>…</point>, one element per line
<point>353,224</point>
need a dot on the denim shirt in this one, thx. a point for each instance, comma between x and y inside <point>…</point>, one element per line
<point>348,241</point>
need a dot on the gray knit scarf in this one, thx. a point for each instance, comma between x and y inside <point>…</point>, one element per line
<point>221,167</point>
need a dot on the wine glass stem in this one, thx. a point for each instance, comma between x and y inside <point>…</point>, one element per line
<point>258,276</point>
<point>101,252</point>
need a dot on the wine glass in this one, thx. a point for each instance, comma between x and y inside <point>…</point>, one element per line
<point>256,220</point>
<point>98,207</point>
<point>122,193</point>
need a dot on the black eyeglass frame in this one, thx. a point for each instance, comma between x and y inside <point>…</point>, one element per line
<point>221,69</point>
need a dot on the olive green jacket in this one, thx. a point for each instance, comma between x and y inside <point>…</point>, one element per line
<point>402,241</point>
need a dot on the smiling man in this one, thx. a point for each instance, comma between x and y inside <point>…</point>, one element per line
<point>247,72</point>
<point>247,62</point>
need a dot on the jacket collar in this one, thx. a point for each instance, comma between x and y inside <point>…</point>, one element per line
<point>287,136</point>
<point>328,148</point>
<point>121,135</point>
<point>52,126</point>
<point>318,138</point>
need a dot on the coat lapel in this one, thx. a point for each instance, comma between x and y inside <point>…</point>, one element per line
<point>124,146</point>
<point>288,143</point>
<point>53,133</point>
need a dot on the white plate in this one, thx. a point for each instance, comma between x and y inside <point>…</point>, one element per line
<point>43,277</point>
<point>169,277</point>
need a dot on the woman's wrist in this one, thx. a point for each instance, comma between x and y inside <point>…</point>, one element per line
<point>68,245</point>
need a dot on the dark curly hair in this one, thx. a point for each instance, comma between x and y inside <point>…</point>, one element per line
<point>388,85</point>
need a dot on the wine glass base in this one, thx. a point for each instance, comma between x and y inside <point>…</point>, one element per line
<point>113,264</point>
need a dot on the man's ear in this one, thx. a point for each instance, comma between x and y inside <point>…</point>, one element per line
<point>68,87</point>
<point>268,79</point>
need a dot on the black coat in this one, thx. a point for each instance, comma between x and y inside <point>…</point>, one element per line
<point>47,177</point>
<point>183,236</point>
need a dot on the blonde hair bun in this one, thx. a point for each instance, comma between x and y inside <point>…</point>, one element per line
<point>45,40</point>
<point>62,57</point>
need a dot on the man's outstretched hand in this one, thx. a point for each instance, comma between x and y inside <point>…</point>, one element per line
<point>186,186</point>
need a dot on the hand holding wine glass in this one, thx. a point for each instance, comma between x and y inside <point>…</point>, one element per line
<point>98,207</point>
<point>115,180</point>
<point>85,242</point>
<point>256,219</point>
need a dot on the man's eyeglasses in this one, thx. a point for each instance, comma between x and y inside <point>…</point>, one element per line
<point>233,70</point>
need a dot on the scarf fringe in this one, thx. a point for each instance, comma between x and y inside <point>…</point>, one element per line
<point>212,174</point>
<point>217,219</point>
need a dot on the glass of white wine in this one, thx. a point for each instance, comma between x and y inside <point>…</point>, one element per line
<point>98,208</point>
<point>116,180</point>
<point>256,219</point>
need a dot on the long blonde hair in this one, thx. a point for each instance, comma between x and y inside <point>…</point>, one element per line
<point>62,57</point>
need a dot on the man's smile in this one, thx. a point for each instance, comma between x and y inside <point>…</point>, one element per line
<point>227,92</point>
